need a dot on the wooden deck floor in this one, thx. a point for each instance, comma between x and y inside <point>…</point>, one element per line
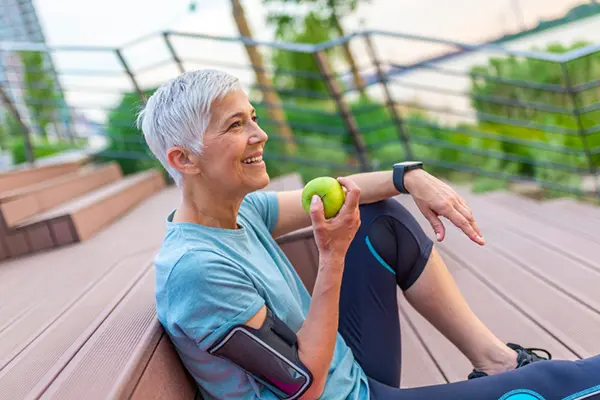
<point>535,283</point>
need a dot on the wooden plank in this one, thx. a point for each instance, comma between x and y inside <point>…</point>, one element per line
<point>418,366</point>
<point>45,342</point>
<point>573,207</point>
<point>16,243</point>
<point>124,342</point>
<point>299,255</point>
<point>574,279</point>
<point>103,210</point>
<point>63,231</point>
<point>21,177</point>
<point>29,200</point>
<point>579,225</point>
<point>567,320</point>
<point>165,376</point>
<point>65,273</point>
<point>572,245</point>
<point>40,237</point>
<point>506,322</point>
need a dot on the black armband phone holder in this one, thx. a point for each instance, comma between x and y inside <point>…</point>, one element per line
<point>269,354</point>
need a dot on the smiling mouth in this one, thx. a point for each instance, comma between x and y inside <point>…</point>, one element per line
<point>252,160</point>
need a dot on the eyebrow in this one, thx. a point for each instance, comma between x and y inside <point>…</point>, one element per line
<point>238,114</point>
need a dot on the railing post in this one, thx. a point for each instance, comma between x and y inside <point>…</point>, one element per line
<point>577,115</point>
<point>343,109</point>
<point>130,74</point>
<point>29,155</point>
<point>389,101</point>
<point>173,52</point>
<point>270,97</point>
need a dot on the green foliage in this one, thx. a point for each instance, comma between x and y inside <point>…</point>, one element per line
<point>127,145</point>
<point>9,129</point>
<point>530,119</point>
<point>41,148</point>
<point>305,21</point>
<point>287,13</point>
<point>300,71</point>
<point>43,99</point>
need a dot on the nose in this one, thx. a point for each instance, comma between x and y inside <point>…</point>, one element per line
<point>257,135</point>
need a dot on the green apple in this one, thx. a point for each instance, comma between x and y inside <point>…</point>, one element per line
<point>329,190</point>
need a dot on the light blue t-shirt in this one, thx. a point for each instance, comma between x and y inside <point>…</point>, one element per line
<point>209,279</point>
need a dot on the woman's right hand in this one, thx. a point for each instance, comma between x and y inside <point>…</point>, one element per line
<point>333,236</point>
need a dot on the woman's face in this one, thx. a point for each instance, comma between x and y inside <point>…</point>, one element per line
<point>233,146</point>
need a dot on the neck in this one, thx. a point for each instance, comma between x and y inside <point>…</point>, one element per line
<point>209,206</point>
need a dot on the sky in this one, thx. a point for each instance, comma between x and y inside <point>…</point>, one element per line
<point>115,23</point>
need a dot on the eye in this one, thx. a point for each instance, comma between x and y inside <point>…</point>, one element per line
<point>236,124</point>
<point>255,118</point>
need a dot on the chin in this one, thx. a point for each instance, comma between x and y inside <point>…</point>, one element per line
<point>264,181</point>
<point>258,183</point>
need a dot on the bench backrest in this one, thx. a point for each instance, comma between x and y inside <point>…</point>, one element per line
<point>164,376</point>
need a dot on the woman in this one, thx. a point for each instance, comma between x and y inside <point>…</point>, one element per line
<point>220,267</point>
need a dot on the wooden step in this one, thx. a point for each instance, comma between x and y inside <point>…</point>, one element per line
<point>20,177</point>
<point>575,246</point>
<point>62,325</point>
<point>534,290</point>
<point>574,207</point>
<point>113,359</point>
<point>19,204</point>
<point>575,223</point>
<point>81,218</point>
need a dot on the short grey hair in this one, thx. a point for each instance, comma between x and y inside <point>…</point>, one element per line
<point>178,112</point>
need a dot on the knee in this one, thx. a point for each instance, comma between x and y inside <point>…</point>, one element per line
<point>397,240</point>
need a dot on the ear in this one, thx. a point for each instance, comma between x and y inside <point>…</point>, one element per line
<point>183,161</point>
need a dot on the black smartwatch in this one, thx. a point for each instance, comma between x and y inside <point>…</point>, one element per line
<point>400,169</point>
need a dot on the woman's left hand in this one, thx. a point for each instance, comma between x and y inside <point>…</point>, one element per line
<point>435,198</point>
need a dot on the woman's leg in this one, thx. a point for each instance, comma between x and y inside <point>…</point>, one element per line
<point>560,380</point>
<point>436,297</point>
<point>391,249</point>
<point>369,320</point>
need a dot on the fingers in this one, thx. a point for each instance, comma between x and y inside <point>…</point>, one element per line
<point>353,193</point>
<point>316,210</point>
<point>466,212</point>
<point>460,221</point>
<point>436,224</point>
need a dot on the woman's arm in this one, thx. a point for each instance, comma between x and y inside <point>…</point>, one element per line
<point>433,197</point>
<point>374,186</point>
<point>318,334</point>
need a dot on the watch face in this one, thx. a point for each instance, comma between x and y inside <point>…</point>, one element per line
<point>410,163</point>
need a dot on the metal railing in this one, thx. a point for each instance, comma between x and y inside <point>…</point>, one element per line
<point>484,112</point>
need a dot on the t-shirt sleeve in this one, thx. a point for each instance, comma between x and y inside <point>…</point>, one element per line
<point>207,295</point>
<point>266,205</point>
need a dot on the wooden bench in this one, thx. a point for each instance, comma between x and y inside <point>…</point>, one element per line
<point>66,204</point>
<point>81,323</point>
<point>126,354</point>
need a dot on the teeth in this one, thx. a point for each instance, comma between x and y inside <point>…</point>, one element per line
<point>252,160</point>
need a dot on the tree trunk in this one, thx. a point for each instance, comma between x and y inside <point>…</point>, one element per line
<point>359,83</point>
<point>271,99</point>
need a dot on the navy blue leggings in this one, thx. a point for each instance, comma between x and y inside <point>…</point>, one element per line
<point>390,250</point>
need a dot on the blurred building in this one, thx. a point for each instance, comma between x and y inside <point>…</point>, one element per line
<point>19,23</point>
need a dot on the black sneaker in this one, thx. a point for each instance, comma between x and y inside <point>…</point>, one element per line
<point>525,356</point>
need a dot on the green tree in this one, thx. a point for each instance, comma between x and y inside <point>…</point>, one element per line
<point>42,98</point>
<point>296,70</point>
<point>509,105</point>
<point>127,145</point>
<point>322,22</point>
